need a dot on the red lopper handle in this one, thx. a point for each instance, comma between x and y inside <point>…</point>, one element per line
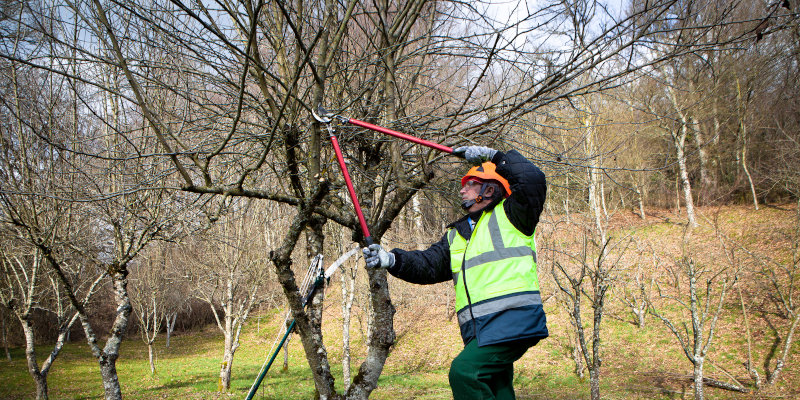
<point>349,183</point>
<point>403,136</point>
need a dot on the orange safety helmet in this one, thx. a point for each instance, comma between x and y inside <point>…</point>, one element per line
<point>487,172</point>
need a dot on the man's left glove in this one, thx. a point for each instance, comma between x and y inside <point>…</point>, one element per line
<point>476,155</point>
<point>376,257</point>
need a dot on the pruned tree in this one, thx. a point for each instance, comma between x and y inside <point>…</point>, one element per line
<point>152,286</point>
<point>227,269</point>
<point>640,282</point>
<point>700,302</point>
<point>779,286</point>
<point>595,259</point>
<point>24,291</point>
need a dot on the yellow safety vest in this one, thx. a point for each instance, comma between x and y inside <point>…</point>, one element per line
<point>495,272</point>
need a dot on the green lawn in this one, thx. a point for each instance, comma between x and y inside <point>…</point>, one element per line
<point>652,369</point>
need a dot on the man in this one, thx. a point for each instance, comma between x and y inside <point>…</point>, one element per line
<point>490,255</point>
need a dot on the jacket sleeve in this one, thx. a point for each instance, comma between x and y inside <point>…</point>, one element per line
<point>423,266</point>
<point>528,189</point>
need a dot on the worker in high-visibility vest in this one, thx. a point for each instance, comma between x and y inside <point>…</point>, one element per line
<point>490,255</point>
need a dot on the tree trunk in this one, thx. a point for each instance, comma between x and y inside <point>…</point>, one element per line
<point>286,351</point>
<point>748,365</point>
<point>640,313</point>
<point>577,356</point>
<point>108,372</point>
<point>227,352</point>
<point>787,346</point>
<point>744,165</point>
<point>348,294</point>
<point>641,205</point>
<point>566,198</point>
<point>110,353</point>
<point>598,301</point>
<point>312,343</point>
<point>107,356</point>
<point>742,156</point>
<point>381,338</point>
<point>150,357</point>
<point>680,141</point>
<point>5,334</point>
<point>641,303</point>
<point>602,193</point>
<point>30,354</point>
<point>226,368</point>
<point>41,386</point>
<point>416,207</point>
<point>639,196</point>
<point>171,319</point>
<point>592,170</point>
<point>594,383</point>
<point>702,153</point>
<point>698,379</point>
<point>678,194</point>
<point>308,328</point>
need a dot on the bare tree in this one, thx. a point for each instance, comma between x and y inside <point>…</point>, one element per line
<point>228,272</point>
<point>151,288</point>
<point>24,293</point>
<point>20,293</point>
<point>698,300</point>
<point>80,212</point>
<point>593,261</point>
<point>177,298</point>
<point>38,219</point>
<point>780,285</point>
<point>637,291</point>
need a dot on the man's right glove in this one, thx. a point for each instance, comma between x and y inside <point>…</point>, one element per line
<point>376,257</point>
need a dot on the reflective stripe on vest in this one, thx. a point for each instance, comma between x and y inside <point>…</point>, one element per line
<point>497,305</point>
<point>502,265</point>
<point>500,252</point>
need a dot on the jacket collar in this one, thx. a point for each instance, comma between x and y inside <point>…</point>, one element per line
<point>461,225</point>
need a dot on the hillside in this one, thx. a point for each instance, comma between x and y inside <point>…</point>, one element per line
<point>638,363</point>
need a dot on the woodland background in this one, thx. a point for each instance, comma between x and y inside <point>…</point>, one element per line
<point>161,173</point>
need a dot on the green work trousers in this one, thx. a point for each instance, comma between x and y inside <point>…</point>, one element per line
<point>483,373</point>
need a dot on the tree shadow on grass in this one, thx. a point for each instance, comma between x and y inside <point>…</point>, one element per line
<point>666,384</point>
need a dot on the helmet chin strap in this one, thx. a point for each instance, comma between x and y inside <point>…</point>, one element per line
<point>467,204</point>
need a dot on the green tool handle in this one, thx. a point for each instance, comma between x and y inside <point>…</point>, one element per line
<point>264,370</point>
<point>263,373</point>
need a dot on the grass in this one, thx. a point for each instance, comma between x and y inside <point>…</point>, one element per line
<point>638,363</point>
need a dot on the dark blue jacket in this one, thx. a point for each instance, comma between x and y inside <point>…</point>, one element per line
<point>523,207</point>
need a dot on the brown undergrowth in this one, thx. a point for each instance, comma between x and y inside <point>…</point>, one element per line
<point>638,362</point>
